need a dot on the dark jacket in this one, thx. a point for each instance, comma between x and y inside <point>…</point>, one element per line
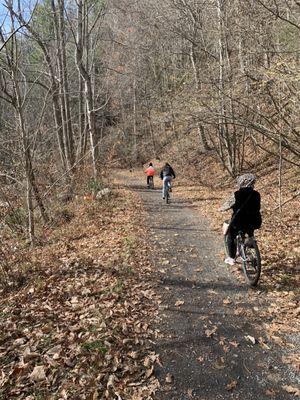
<point>246,209</point>
<point>167,171</point>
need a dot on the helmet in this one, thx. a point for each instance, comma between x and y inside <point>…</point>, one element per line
<point>246,180</point>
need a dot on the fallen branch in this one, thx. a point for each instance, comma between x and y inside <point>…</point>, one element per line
<point>288,200</point>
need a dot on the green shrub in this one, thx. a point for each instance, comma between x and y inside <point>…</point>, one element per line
<point>95,186</point>
<point>16,219</point>
<point>95,345</point>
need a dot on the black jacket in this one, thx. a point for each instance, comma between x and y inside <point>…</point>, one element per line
<point>167,171</point>
<point>246,209</point>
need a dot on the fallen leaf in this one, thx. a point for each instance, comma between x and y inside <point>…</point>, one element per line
<point>133,354</point>
<point>111,381</point>
<point>292,390</point>
<point>149,372</point>
<point>179,303</point>
<point>227,301</point>
<point>210,332</point>
<point>169,378</point>
<point>250,339</point>
<point>212,291</point>
<point>293,359</point>
<point>263,344</point>
<point>271,392</point>
<point>38,374</point>
<point>220,364</point>
<point>230,386</point>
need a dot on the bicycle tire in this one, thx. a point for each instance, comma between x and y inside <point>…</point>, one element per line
<point>167,196</point>
<point>151,183</point>
<point>251,262</point>
<point>226,245</point>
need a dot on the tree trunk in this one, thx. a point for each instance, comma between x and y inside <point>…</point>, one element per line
<point>134,145</point>
<point>89,97</point>
<point>65,85</point>
<point>200,128</point>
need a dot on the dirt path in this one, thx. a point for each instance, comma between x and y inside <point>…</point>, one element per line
<point>205,341</point>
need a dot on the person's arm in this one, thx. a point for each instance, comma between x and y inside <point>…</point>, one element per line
<point>258,200</point>
<point>173,173</point>
<point>228,204</point>
<point>237,201</point>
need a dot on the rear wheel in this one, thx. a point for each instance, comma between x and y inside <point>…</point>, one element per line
<point>167,196</point>
<point>151,183</point>
<point>251,262</point>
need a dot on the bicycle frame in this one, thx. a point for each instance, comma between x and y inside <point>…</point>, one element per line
<point>240,245</point>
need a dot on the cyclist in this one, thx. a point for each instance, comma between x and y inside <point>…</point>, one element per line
<point>150,171</point>
<point>246,215</point>
<point>166,174</point>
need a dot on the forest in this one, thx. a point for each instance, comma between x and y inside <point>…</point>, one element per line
<point>89,83</point>
<point>91,87</point>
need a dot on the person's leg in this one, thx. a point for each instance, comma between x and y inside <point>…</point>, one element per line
<point>250,233</point>
<point>230,242</point>
<point>148,180</point>
<point>165,185</point>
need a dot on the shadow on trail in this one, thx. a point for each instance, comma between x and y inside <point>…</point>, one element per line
<point>143,188</point>
<point>195,284</point>
<point>176,228</point>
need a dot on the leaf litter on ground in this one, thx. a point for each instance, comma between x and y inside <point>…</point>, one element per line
<point>79,327</point>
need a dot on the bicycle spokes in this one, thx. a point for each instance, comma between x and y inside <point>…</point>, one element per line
<point>251,263</point>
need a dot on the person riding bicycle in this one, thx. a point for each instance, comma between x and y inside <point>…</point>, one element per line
<point>166,174</point>
<point>246,215</point>
<point>150,172</point>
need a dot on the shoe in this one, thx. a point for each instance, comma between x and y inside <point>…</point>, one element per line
<point>229,260</point>
<point>170,190</point>
<point>163,198</point>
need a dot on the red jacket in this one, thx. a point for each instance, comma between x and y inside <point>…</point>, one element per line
<point>150,171</point>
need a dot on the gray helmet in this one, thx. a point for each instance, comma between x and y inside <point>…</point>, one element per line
<point>246,180</point>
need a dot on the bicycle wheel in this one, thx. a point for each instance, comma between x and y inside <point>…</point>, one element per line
<point>251,262</point>
<point>226,245</point>
<point>151,183</point>
<point>167,196</point>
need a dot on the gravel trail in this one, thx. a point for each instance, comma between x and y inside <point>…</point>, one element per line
<point>208,348</point>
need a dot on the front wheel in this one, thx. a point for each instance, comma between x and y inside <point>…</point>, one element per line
<point>251,262</point>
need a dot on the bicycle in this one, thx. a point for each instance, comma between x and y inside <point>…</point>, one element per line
<point>248,251</point>
<point>150,182</point>
<point>168,189</point>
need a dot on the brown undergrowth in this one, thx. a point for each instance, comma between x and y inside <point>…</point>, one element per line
<point>78,326</point>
